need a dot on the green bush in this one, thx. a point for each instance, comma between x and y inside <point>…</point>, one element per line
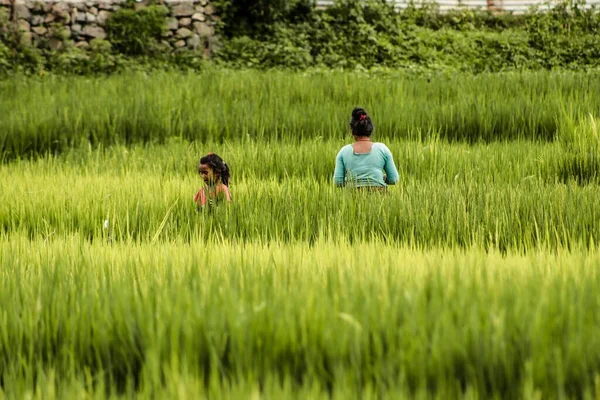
<point>136,32</point>
<point>102,60</point>
<point>351,34</point>
<point>97,59</point>
<point>5,62</point>
<point>258,18</point>
<point>367,34</point>
<point>287,46</point>
<point>5,51</point>
<point>15,54</point>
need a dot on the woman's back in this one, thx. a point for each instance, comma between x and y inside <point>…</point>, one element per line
<point>361,164</point>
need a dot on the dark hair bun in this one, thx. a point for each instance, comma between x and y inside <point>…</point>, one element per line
<point>361,123</point>
<point>358,113</point>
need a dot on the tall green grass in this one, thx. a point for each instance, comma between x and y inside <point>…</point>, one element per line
<point>580,143</point>
<point>372,319</point>
<point>476,276</point>
<point>502,195</point>
<point>54,113</point>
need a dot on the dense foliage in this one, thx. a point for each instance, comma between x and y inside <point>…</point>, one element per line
<point>351,34</point>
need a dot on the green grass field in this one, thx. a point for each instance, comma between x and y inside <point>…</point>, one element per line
<point>56,113</point>
<point>477,276</point>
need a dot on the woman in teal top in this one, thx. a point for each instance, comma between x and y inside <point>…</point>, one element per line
<point>362,163</point>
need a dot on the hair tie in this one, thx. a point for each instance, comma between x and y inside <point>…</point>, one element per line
<point>362,117</point>
<point>209,154</point>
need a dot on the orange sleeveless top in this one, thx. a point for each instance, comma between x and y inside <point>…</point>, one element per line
<point>203,198</point>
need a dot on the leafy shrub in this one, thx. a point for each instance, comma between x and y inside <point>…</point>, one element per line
<point>70,60</point>
<point>366,34</point>
<point>5,58</point>
<point>97,59</point>
<point>136,32</point>
<point>5,51</point>
<point>102,59</point>
<point>15,54</point>
<point>258,18</point>
<point>287,46</point>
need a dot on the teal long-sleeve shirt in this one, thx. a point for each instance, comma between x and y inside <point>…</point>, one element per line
<point>365,169</point>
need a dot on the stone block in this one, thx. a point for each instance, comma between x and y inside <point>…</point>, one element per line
<point>180,43</point>
<point>185,22</point>
<point>90,17</point>
<point>23,26</point>
<point>37,7</point>
<point>209,10</point>
<point>40,30</point>
<point>102,17</point>
<point>76,29</point>
<point>78,17</point>
<point>62,12</point>
<point>37,20</point>
<point>172,24</point>
<point>94,31</point>
<point>183,10</point>
<point>183,33</point>
<point>199,17</point>
<point>93,10</point>
<point>22,12</point>
<point>49,18</point>
<point>55,44</point>
<point>61,9</point>
<point>203,29</point>
<point>194,41</point>
<point>82,45</point>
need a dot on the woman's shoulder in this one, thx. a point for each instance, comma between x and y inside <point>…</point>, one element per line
<point>224,189</point>
<point>381,146</point>
<point>345,148</point>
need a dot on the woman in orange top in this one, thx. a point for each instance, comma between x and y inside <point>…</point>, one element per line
<point>215,173</point>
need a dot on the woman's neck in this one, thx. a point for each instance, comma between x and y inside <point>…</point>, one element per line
<point>362,139</point>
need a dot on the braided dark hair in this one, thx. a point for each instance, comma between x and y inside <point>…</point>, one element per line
<point>361,123</point>
<point>219,167</point>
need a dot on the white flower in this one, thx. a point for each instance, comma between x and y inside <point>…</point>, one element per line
<point>105,224</point>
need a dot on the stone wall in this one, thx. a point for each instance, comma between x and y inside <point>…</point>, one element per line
<point>190,23</point>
